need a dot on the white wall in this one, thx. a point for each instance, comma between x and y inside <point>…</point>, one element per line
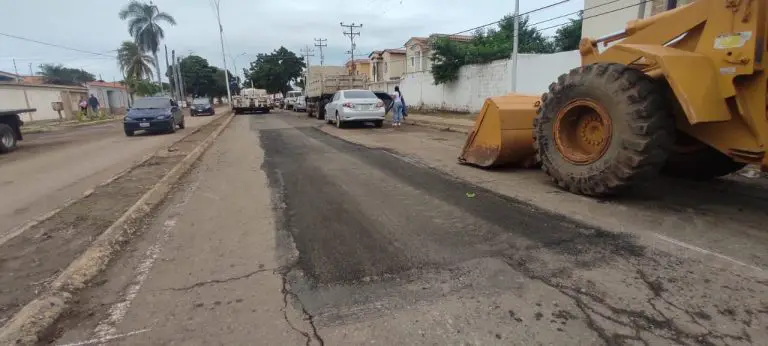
<point>12,96</point>
<point>478,82</point>
<point>608,23</point>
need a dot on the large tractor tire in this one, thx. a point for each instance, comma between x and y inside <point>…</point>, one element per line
<point>693,160</point>
<point>602,128</point>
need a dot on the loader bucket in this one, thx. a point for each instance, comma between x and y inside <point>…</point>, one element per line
<point>503,133</point>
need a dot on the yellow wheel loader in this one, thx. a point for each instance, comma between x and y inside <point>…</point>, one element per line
<point>682,93</point>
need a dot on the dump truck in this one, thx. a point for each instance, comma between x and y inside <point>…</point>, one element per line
<point>323,82</point>
<point>681,93</point>
<point>251,100</point>
<point>10,128</point>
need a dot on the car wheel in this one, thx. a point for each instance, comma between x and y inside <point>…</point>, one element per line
<point>7,139</point>
<point>339,124</point>
<point>173,126</point>
<point>379,123</point>
<point>129,133</point>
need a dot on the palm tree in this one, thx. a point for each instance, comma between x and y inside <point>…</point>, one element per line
<point>144,25</point>
<point>133,61</point>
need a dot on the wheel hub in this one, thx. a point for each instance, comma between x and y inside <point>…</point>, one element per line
<point>582,131</point>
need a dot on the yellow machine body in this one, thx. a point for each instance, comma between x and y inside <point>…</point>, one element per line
<point>713,55</point>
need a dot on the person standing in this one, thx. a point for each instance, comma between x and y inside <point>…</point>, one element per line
<point>94,103</point>
<point>83,106</point>
<point>397,107</point>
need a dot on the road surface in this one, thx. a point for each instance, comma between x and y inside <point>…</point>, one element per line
<point>289,234</point>
<point>51,168</point>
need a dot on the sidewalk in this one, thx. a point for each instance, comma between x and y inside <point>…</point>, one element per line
<point>456,124</point>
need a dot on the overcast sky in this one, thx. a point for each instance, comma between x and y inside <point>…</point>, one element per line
<point>250,26</point>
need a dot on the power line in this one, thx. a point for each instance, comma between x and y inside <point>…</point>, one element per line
<point>521,14</point>
<point>583,18</point>
<point>54,45</point>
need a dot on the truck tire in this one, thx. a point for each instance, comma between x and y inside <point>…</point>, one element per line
<point>602,128</point>
<point>7,139</point>
<point>321,111</point>
<point>693,160</point>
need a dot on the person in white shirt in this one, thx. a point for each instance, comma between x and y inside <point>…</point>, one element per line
<point>397,108</point>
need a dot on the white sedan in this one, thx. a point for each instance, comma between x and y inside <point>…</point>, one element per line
<point>349,106</point>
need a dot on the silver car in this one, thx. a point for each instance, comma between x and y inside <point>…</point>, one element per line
<point>348,106</point>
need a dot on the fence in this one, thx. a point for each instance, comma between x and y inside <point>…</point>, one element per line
<point>478,82</point>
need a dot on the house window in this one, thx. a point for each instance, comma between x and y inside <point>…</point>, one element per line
<point>413,61</point>
<point>385,67</point>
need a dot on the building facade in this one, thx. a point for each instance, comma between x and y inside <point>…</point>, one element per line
<point>113,97</point>
<point>360,67</point>
<point>386,65</point>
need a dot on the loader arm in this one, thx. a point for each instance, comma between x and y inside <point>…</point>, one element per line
<point>711,53</point>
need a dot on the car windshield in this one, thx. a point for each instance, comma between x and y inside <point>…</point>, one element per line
<point>359,94</point>
<point>152,103</point>
<point>201,102</point>
<point>294,93</point>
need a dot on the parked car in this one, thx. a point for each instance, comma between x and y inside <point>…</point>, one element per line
<point>357,105</point>
<point>300,105</point>
<point>201,106</point>
<point>153,114</point>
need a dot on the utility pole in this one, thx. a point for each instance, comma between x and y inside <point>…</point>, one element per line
<point>181,81</point>
<point>223,55</point>
<point>16,71</point>
<point>352,35</point>
<point>174,76</point>
<point>167,65</point>
<point>307,53</point>
<point>319,44</point>
<point>30,70</point>
<point>515,45</point>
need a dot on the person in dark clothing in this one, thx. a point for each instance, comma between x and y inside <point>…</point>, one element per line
<point>402,99</point>
<point>94,103</point>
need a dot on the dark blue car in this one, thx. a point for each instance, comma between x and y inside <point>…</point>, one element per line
<point>153,114</point>
<point>201,106</point>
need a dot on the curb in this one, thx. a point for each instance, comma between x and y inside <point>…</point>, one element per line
<point>441,127</point>
<point>35,317</point>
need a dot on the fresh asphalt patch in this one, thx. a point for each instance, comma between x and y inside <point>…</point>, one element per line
<point>361,227</point>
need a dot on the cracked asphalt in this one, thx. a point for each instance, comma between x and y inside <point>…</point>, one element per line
<point>287,235</point>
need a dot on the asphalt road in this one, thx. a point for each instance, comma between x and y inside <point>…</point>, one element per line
<point>285,234</point>
<point>51,168</point>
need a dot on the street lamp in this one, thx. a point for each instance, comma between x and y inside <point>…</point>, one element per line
<point>223,55</point>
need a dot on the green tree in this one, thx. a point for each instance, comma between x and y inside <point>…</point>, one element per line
<point>58,74</point>
<point>144,26</point>
<point>133,61</point>
<point>486,46</point>
<point>275,71</point>
<point>197,74</point>
<point>141,87</point>
<point>568,36</point>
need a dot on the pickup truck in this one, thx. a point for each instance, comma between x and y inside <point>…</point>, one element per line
<point>10,128</point>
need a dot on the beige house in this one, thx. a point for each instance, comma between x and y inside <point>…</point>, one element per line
<point>387,64</point>
<point>360,67</point>
<point>620,12</point>
<point>418,51</point>
<point>112,96</point>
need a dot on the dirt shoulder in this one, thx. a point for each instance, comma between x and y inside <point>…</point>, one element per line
<point>32,260</point>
